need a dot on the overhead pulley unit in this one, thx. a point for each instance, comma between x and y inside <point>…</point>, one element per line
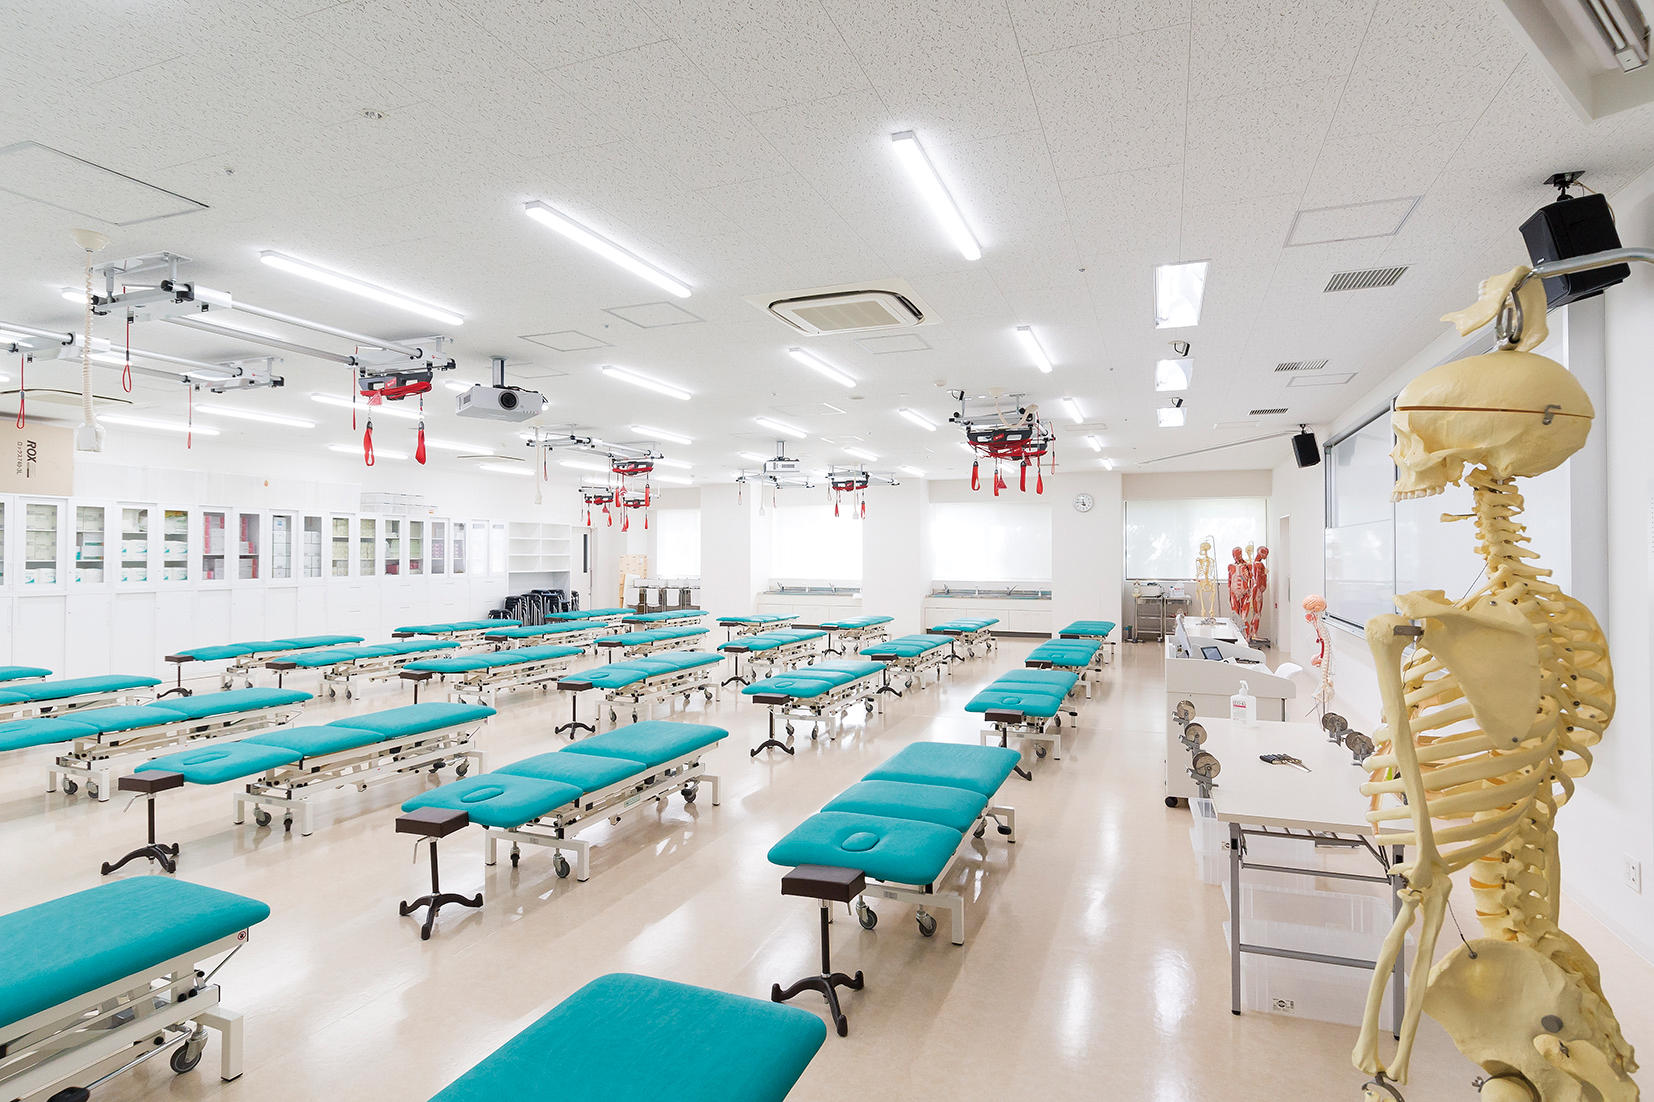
<point>1004,430</point>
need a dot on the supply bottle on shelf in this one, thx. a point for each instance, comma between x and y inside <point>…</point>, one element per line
<point>1243,706</point>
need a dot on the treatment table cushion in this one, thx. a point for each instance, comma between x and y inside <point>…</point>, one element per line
<point>581,614</point>
<point>62,949</point>
<point>534,631</point>
<point>20,673</point>
<point>1099,628</point>
<point>898,850</point>
<point>418,719</point>
<point>75,686</point>
<point>618,675</point>
<point>1066,652</point>
<point>953,765</point>
<point>471,663</point>
<point>20,734</point>
<point>717,1047</point>
<point>955,808</point>
<point>225,651</point>
<point>967,624</point>
<point>587,772</point>
<point>499,800</point>
<point>228,761</point>
<point>649,635</point>
<point>206,705</point>
<point>300,642</point>
<point>813,681</point>
<point>313,742</point>
<point>853,622</point>
<point>771,640</point>
<point>1052,681</point>
<point>663,617</point>
<point>652,742</point>
<point>907,646</point>
<point>1029,700</point>
<point>127,717</point>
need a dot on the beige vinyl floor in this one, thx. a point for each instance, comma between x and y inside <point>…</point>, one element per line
<point>1095,965</point>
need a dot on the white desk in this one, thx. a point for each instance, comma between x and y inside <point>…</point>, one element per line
<point>1208,686</point>
<point>1321,807</point>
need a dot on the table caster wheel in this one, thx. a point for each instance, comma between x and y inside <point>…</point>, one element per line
<point>516,858</point>
<point>463,767</point>
<point>560,865</point>
<point>789,728</point>
<point>981,829</point>
<point>867,916</point>
<point>347,694</point>
<point>927,925</point>
<point>1039,751</point>
<point>70,787</point>
<point>287,824</point>
<point>690,792</point>
<point>187,1055</point>
<point>261,817</point>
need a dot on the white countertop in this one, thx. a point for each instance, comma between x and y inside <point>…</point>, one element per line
<point>1255,793</point>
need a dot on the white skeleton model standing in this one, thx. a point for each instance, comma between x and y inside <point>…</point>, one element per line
<point>1206,585</point>
<point>1315,612</point>
<point>1487,725</point>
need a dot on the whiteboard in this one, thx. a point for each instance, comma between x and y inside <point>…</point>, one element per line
<point>990,541</point>
<point>1376,548</point>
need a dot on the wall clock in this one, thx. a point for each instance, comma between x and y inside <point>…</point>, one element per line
<point>1083,503</point>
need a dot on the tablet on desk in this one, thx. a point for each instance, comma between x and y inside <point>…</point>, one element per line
<point>1211,654</point>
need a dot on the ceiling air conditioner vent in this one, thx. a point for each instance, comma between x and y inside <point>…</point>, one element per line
<point>848,312</point>
<point>1364,281</point>
<point>1300,365</point>
<point>1265,412</point>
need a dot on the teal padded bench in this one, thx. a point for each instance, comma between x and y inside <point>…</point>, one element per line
<point>641,683</point>
<point>827,688</point>
<point>1081,656</point>
<point>913,655</point>
<point>755,623</point>
<point>633,644</point>
<point>21,699</point>
<point>717,1047</point>
<point>670,616</point>
<point>972,631</point>
<point>546,799</point>
<point>90,979</point>
<point>561,631</point>
<point>290,768</point>
<point>96,737</point>
<point>1100,630</point>
<point>902,826</point>
<point>456,629</point>
<point>611,615</point>
<point>479,678</point>
<point>370,662</point>
<point>771,651</point>
<point>243,658</point>
<point>853,631</point>
<point>23,673</point>
<point>1028,704</point>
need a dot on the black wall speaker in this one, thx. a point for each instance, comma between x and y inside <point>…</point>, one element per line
<point>1304,449</point>
<point>1569,228</point>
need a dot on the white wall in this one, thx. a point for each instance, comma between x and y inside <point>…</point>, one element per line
<point>895,555</point>
<point>1087,549</point>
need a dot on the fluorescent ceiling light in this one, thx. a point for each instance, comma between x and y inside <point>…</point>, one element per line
<point>69,294</point>
<point>1173,374</point>
<point>1178,289</point>
<point>627,375</point>
<point>914,471</point>
<point>862,453</point>
<point>605,248</point>
<point>1108,464</point>
<point>583,465</point>
<point>502,468</point>
<point>1170,417</point>
<point>458,387</point>
<point>1095,443</point>
<point>753,457</point>
<point>662,434</point>
<point>673,480</point>
<point>918,419</point>
<point>157,426</point>
<point>462,446</point>
<point>935,193</point>
<point>781,427</point>
<point>1073,409</point>
<point>675,464</point>
<point>820,366</point>
<point>356,450</point>
<point>256,415</point>
<point>360,288</point>
<point>362,407</point>
<point>1035,351</point>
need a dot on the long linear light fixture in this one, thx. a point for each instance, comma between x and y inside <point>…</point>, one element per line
<point>1094,443</point>
<point>862,453</point>
<point>262,416</point>
<point>935,193</point>
<point>672,480</point>
<point>753,457</point>
<point>583,465</point>
<point>675,464</point>
<point>505,468</point>
<point>917,418</point>
<point>1108,464</point>
<point>602,246</point>
<point>914,471</point>
<point>662,434</point>
<point>154,425</point>
<point>627,375</point>
<point>781,427</point>
<point>1178,291</point>
<point>462,447</point>
<point>1035,350</point>
<point>1072,407</point>
<point>358,287</point>
<point>820,366</point>
<point>364,409</point>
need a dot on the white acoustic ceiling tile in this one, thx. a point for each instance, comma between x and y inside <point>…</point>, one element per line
<point>67,183</point>
<point>551,33</point>
<point>1115,105</point>
<point>1127,217</point>
<point>649,89</point>
<point>1361,167</point>
<point>1259,143</point>
<point>654,315</point>
<point>1043,25</point>
<point>524,115</point>
<point>1350,221</point>
<point>894,343</point>
<point>566,340</point>
<point>1244,45</point>
<point>1005,184</point>
<point>435,42</point>
<point>533,371</point>
<point>763,53</point>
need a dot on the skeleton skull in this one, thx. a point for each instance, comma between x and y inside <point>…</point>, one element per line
<point>1512,413</point>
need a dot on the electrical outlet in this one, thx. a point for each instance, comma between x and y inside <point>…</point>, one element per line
<point>1284,1006</point>
<point>1634,874</point>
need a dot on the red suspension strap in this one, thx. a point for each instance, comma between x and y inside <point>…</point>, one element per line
<point>976,474</point>
<point>22,388</point>
<point>1039,476</point>
<point>126,372</point>
<point>367,442</point>
<point>189,420</point>
<point>419,450</point>
<point>1023,471</point>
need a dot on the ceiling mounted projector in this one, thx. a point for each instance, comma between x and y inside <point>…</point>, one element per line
<point>500,402</point>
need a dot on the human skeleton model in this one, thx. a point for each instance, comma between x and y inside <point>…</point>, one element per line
<point>1206,586</point>
<point>1248,578</point>
<point>1315,612</point>
<point>1487,726</point>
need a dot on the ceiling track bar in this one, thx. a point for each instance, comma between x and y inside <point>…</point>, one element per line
<point>260,338</point>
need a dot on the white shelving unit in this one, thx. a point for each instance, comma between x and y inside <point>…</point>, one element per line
<point>540,548</point>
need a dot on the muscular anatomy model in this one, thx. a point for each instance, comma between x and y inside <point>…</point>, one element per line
<point>1487,726</point>
<point>1206,586</point>
<point>1248,578</point>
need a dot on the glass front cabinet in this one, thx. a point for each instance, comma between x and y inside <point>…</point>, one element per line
<point>214,546</point>
<point>175,545</point>
<point>90,547</point>
<point>136,550</point>
<point>42,542</point>
<point>338,547</point>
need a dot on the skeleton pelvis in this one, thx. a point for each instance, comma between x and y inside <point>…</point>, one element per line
<point>1514,1012</point>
